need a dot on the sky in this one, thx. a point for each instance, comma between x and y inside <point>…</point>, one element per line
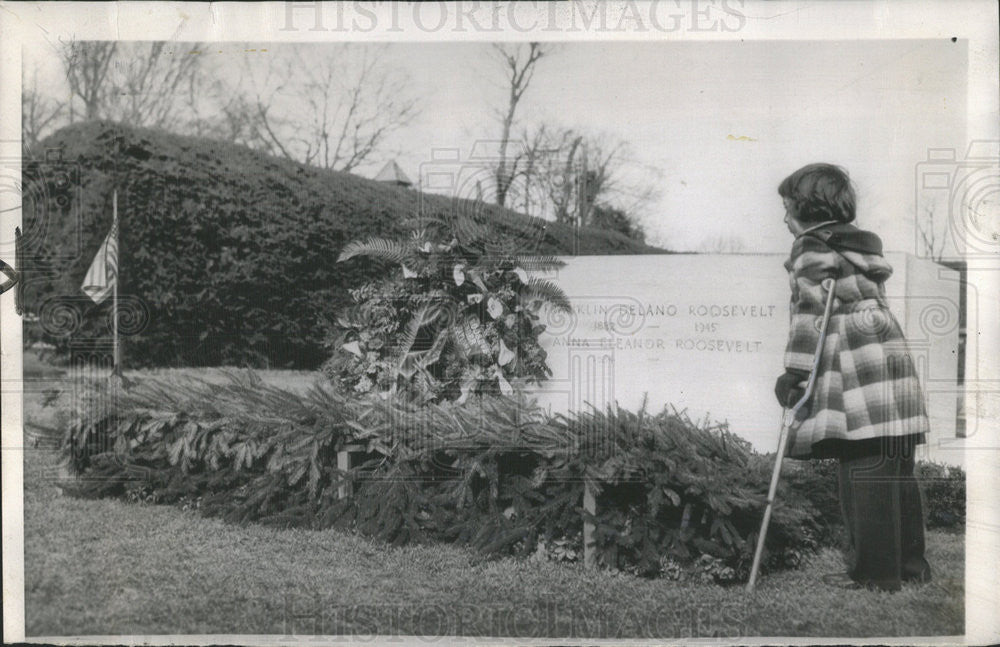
<point>718,125</point>
<point>723,122</point>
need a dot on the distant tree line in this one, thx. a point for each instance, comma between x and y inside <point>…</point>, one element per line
<point>335,107</point>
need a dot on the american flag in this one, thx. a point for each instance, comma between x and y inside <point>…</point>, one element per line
<point>103,273</point>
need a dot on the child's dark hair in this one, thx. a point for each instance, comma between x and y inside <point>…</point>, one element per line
<point>820,192</point>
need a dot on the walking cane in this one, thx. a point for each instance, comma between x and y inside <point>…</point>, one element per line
<point>787,420</point>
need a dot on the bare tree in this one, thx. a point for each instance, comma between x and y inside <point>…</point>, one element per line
<point>578,172</point>
<point>215,111</point>
<point>38,113</point>
<point>519,62</point>
<point>333,110</point>
<point>141,84</point>
<point>86,64</point>
<point>560,176</point>
<point>150,82</point>
<point>596,175</point>
<point>528,157</point>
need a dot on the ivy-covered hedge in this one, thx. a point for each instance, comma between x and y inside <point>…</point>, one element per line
<point>494,473</point>
<point>227,256</point>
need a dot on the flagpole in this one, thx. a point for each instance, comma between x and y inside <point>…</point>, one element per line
<point>114,295</point>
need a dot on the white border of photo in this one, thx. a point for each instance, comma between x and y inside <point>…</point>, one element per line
<point>31,25</point>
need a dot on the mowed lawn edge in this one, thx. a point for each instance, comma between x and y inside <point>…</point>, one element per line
<point>108,567</point>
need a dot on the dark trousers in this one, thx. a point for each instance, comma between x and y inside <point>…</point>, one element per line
<point>881,504</point>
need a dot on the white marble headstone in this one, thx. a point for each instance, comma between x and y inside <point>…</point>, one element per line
<point>706,333</point>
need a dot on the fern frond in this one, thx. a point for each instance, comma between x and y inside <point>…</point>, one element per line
<point>409,336</point>
<point>536,263</point>
<point>548,292</point>
<point>380,248</point>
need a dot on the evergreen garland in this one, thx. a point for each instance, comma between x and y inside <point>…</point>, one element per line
<point>494,473</point>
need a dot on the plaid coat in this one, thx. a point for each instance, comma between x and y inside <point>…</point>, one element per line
<point>867,385</point>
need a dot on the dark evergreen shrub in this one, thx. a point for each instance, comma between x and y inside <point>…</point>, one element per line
<point>943,488</point>
<point>227,256</point>
<point>494,473</point>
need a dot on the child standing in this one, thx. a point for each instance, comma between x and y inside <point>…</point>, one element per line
<point>867,409</point>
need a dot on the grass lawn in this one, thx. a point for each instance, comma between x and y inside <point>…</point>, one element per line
<point>110,567</point>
